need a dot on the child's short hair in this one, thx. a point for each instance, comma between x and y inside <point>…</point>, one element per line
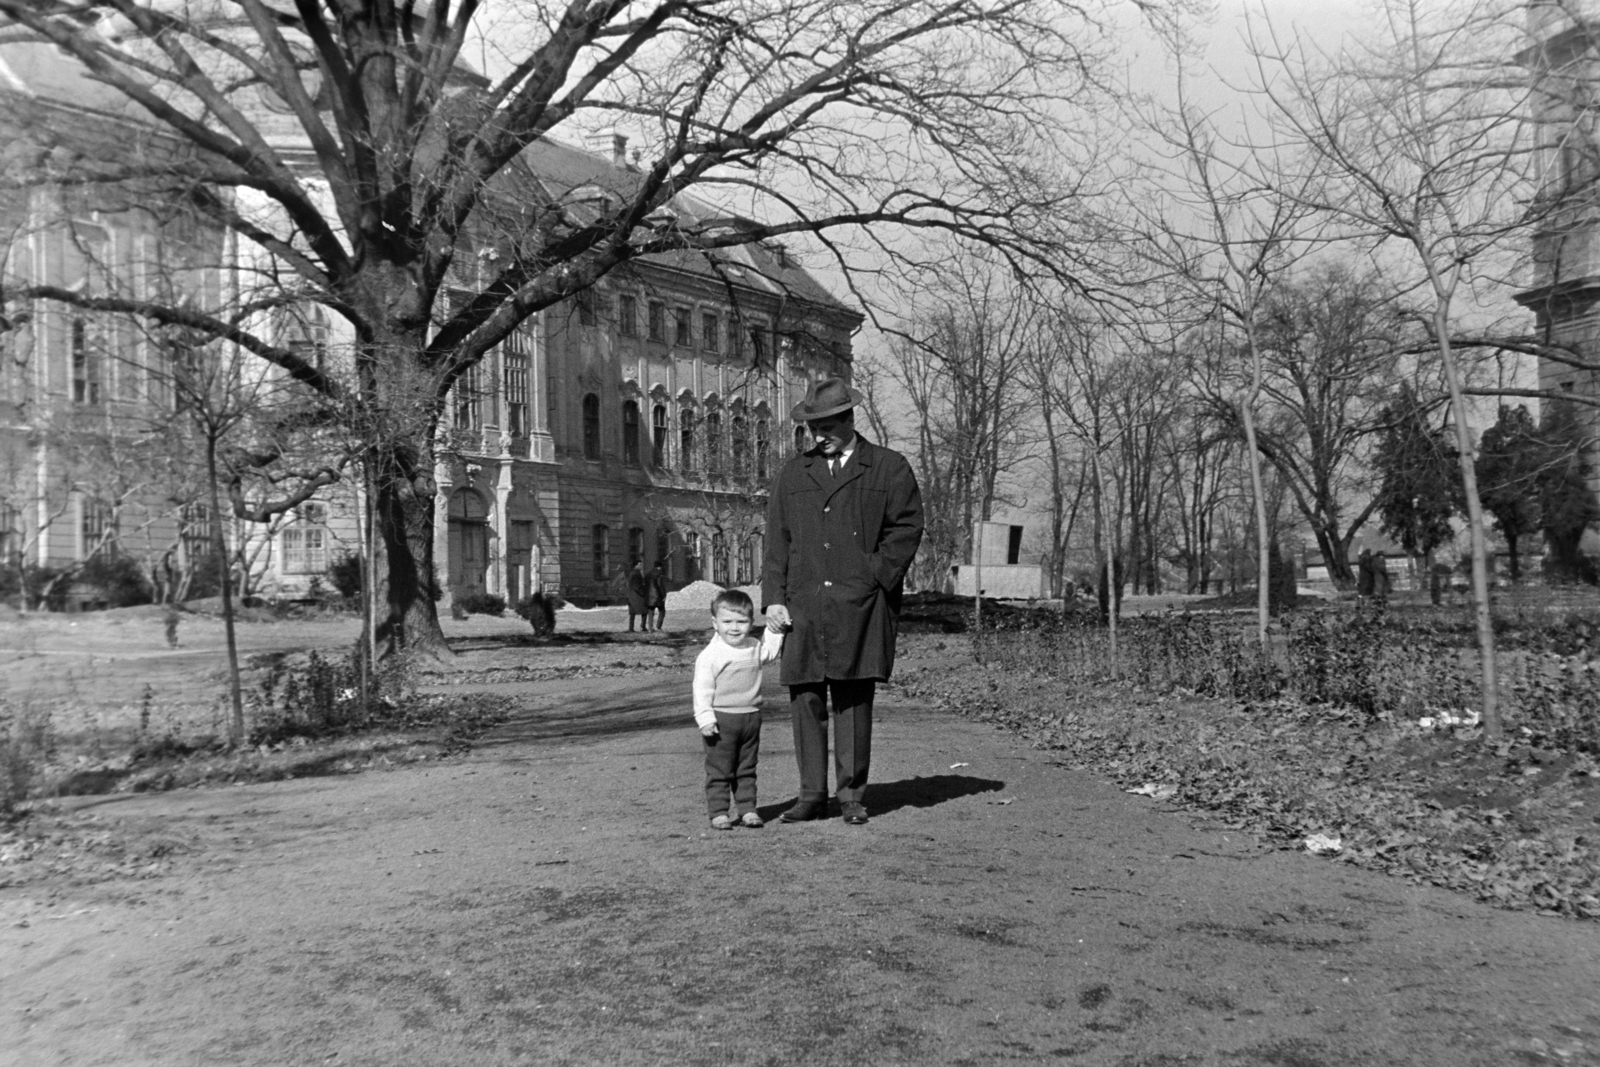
<point>737,599</point>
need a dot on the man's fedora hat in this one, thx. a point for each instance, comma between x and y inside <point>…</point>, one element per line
<point>824,397</point>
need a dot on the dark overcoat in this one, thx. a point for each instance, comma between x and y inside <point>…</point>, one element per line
<point>837,552</point>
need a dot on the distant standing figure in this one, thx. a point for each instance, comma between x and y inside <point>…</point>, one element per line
<point>637,584</point>
<point>656,596</point>
<point>1364,573</point>
<point>1380,578</point>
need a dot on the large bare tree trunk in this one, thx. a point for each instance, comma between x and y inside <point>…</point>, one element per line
<point>406,496</point>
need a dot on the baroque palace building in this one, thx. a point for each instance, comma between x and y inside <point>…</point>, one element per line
<point>637,424</point>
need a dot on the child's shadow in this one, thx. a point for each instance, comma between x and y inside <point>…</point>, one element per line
<point>918,792</point>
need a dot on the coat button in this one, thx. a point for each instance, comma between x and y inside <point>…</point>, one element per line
<point>828,508</point>
<point>825,544</point>
<point>827,583</point>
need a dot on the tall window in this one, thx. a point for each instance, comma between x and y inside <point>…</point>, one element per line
<point>586,305</point>
<point>515,359</point>
<point>600,542</point>
<point>630,432</point>
<point>627,316</point>
<point>719,558</point>
<point>87,370</point>
<point>741,446</point>
<point>658,321</point>
<point>682,327</point>
<point>305,334</point>
<point>693,561</point>
<point>195,531</point>
<point>747,561</point>
<point>304,542</point>
<point>713,443</point>
<point>664,548</point>
<point>761,449</point>
<point>591,426</point>
<point>11,534</point>
<point>686,440</point>
<point>658,436</point>
<point>635,546</point>
<point>758,345</point>
<point>710,331</point>
<point>469,398</point>
<point>97,525</point>
<point>735,338</point>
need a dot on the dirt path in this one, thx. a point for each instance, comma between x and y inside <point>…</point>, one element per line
<point>554,897</point>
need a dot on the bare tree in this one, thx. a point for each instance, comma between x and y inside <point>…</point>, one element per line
<point>1422,140</point>
<point>1225,234</point>
<point>1329,343</point>
<point>387,175</point>
<point>962,363</point>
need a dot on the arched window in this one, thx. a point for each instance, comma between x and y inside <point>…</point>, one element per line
<point>713,443</point>
<point>630,432</point>
<point>802,439</point>
<point>664,548</point>
<point>686,440</point>
<point>600,542</point>
<point>658,436</point>
<point>719,558</point>
<point>635,546</point>
<point>761,449</point>
<point>747,561</point>
<point>692,563</point>
<point>741,446</point>
<point>591,426</point>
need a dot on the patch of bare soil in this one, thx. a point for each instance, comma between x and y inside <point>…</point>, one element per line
<point>554,896</point>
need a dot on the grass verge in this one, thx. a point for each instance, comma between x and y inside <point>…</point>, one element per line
<point>53,840</point>
<point>1515,825</point>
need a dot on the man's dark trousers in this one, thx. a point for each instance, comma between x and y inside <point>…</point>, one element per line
<point>852,742</point>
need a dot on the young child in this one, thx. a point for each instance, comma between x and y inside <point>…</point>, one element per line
<point>727,707</point>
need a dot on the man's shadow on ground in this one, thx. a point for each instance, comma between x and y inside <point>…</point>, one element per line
<point>919,792</point>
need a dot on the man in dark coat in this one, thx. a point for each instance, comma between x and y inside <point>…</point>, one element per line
<point>638,588</point>
<point>655,597</point>
<point>843,523</point>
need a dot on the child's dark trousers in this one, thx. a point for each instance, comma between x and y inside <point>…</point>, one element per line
<point>731,763</point>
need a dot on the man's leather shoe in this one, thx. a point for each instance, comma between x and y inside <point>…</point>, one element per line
<point>802,811</point>
<point>853,813</point>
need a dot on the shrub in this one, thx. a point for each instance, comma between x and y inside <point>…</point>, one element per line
<point>319,695</point>
<point>119,578</point>
<point>540,611</point>
<point>345,575</point>
<point>27,740</point>
<point>478,603</point>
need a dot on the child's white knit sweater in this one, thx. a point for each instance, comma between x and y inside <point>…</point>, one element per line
<point>727,678</point>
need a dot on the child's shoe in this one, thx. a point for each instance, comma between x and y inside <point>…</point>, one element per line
<point>722,822</point>
<point>752,820</point>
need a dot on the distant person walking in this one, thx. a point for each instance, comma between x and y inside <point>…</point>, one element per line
<point>844,520</point>
<point>637,584</point>
<point>655,600</point>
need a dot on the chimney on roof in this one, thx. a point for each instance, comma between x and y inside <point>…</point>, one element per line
<point>610,144</point>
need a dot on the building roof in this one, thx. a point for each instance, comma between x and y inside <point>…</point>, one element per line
<point>38,71</point>
<point>572,175</point>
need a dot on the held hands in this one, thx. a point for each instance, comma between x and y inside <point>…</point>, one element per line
<point>778,616</point>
